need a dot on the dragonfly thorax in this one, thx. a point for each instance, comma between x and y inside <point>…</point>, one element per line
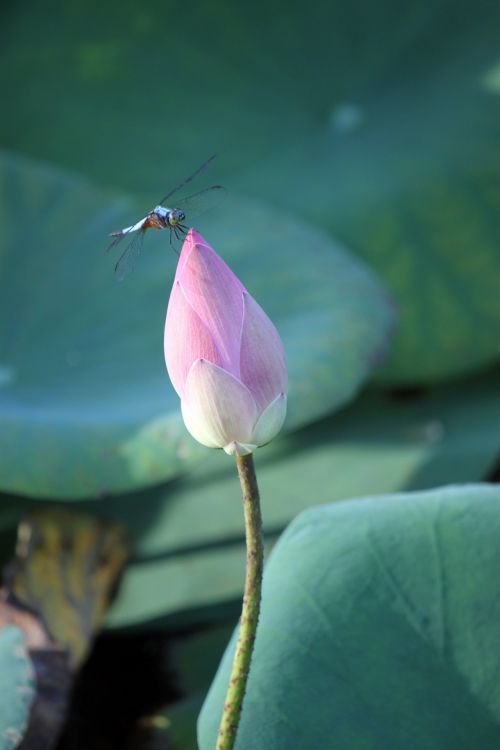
<point>169,217</point>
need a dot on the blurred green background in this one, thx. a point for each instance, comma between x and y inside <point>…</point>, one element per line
<point>359,144</point>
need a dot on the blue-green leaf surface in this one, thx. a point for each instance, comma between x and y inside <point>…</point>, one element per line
<point>16,686</point>
<point>86,407</point>
<point>189,534</point>
<point>376,122</point>
<point>379,629</point>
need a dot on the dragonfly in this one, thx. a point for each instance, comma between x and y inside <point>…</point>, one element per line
<point>162,217</point>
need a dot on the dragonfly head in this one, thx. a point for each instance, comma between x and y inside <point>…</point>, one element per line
<point>176,216</point>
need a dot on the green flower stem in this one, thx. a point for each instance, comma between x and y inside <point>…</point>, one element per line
<point>251,605</point>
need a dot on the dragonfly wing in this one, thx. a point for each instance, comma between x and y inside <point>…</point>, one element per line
<point>198,203</point>
<point>187,180</point>
<point>128,258</point>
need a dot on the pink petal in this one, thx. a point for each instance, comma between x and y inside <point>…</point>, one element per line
<point>262,357</point>
<point>215,294</point>
<point>217,408</point>
<point>186,339</point>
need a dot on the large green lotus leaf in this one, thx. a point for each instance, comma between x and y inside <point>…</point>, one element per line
<point>394,146</point>
<point>407,176</point>
<point>188,534</point>
<point>16,686</point>
<point>86,406</point>
<point>130,93</point>
<point>190,553</point>
<point>380,124</point>
<point>379,629</point>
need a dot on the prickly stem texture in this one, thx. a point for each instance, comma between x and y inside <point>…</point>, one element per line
<point>251,605</point>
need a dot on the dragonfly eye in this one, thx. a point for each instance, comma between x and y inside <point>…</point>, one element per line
<point>182,215</point>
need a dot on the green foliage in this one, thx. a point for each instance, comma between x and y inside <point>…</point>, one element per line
<point>124,92</point>
<point>376,125</point>
<point>16,686</point>
<point>385,134</point>
<point>379,626</point>
<point>86,407</point>
<point>406,174</point>
<point>189,533</point>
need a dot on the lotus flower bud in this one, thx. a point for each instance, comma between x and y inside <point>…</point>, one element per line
<point>224,356</point>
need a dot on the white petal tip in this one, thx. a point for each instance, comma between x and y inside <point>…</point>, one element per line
<point>239,449</point>
<point>270,421</point>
